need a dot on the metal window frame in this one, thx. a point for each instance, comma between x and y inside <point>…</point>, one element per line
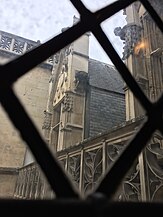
<point>68,199</point>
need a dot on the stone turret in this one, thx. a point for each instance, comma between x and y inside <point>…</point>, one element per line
<point>67,94</point>
<point>142,54</point>
<point>131,35</point>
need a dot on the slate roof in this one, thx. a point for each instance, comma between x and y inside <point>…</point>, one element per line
<point>104,76</point>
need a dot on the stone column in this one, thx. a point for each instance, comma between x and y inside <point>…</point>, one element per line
<point>131,35</point>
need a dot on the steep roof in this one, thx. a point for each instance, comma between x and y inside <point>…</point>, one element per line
<point>104,76</point>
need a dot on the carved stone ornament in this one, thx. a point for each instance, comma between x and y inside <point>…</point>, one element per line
<point>55,60</point>
<point>92,169</point>
<point>154,158</point>
<point>81,79</point>
<point>18,46</point>
<point>130,187</point>
<point>74,168</point>
<point>5,42</point>
<point>131,35</point>
<point>47,120</point>
<point>67,103</point>
<point>29,46</point>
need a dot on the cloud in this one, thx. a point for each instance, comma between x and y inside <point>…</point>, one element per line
<point>41,20</point>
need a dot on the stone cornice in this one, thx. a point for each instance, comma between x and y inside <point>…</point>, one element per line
<point>8,170</point>
<point>121,131</point>
<point>80,54</point>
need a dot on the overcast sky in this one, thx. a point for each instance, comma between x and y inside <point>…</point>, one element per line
<point>43,19</point>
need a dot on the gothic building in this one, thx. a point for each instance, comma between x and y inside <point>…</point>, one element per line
<point>85,104</point>
<point>70,97</point>
<point>32,90</point>
<point>142,53</point>
<point>90,114</point>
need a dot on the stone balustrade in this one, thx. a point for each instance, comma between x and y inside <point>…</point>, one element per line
<point>30,183</point>
<point>18,45</point>
<point>87,162</point>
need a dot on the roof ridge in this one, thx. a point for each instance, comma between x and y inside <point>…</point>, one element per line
<point>102,62</point>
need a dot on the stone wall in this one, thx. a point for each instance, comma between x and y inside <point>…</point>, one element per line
<point>32,91</point>
<point>8,178</point>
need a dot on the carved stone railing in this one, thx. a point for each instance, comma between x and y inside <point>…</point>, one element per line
<point>87,162</point>
<point>154,167</point>
<point>29,183</point>
<point>17,45</point>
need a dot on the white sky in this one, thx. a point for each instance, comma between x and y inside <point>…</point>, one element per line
<point>43,19</point>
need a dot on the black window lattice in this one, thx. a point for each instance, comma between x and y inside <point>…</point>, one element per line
<point>10,72</point>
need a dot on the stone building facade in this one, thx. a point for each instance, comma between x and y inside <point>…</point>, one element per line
<point>87,92</point>
<point>69,97</point>
<point>32,90</point>
<point>142,53</point>
<point>73,111</point>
